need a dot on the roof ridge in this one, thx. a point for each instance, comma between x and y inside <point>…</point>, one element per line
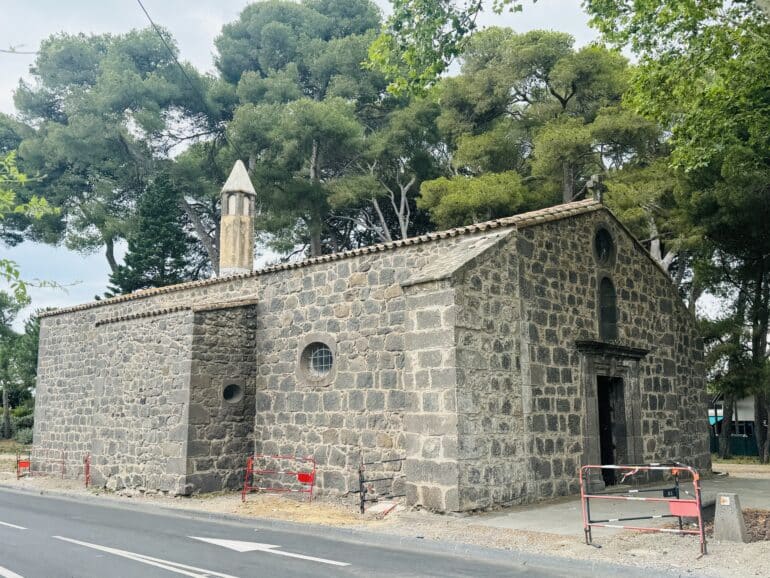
<point>539,216</point>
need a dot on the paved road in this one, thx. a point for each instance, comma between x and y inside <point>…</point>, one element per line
<point>50,537</point>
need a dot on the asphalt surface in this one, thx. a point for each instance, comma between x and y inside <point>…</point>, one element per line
<point>50,537</point>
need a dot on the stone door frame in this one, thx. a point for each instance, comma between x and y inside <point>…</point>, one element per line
<point>604,359</point>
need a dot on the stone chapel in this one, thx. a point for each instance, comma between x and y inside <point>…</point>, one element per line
<point>495,358</point>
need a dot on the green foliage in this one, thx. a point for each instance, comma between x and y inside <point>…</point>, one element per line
<point>306,106</point>
<point>532,104</point>
<point>17,377</point>
<point>158,248</point>
<point>35,208</point>
<point>703,75</point>
<point>25,421</point>
<point>462,200</point>
<point>422,37</point>
<point>104,108</point>
<point>23,436</point>
<point>379,194</point>
<point>279,51</point>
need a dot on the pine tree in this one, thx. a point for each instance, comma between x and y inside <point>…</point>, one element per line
<point>158,247</point>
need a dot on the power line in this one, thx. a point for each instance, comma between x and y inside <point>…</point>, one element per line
<point>12,50</point>
<point>184,73</point>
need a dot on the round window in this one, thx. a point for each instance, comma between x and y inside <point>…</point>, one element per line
<point>604,246</point>
<point>232,393</point>
<point>319,359</point>
<point>316,360</point>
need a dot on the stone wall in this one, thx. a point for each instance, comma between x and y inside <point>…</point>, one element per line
<point>666,395</point>
<point>460,356</point>
<point>222,397</point>
<point>122,397</point>
<point>430,380</point>
<point>356,305</point>
<point>492,451</point>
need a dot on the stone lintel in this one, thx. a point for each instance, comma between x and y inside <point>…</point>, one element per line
<point>611,349</point>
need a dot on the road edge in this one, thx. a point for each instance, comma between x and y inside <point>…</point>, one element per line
<point>361,536</point>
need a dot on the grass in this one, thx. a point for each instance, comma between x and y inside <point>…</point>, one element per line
<point>10,447</point>
<point>751,460</point>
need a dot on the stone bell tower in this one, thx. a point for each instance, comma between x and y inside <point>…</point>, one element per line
<point>236,231</point>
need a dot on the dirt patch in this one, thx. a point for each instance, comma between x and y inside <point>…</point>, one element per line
<point>743,470</point>
<point>277,507</point>
<point>757,525</point>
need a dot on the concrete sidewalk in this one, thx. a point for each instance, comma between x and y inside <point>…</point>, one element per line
<point>564,517</point>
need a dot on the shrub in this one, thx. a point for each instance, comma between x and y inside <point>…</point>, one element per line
<point>24,436</point>
<point>22,410</point>
<point>22,422</point>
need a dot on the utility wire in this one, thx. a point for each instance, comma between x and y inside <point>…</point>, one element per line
<point>195,89</point>
<point>12,50</point>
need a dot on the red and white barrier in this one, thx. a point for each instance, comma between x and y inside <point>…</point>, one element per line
<point>299,477</point>
<point>677,507</point>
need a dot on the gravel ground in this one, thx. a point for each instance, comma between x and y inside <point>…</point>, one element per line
<point>661,552</point>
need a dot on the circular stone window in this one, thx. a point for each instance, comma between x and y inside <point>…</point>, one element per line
<point>232,393</point>
<point>604,247</point>
<point>316,362</point>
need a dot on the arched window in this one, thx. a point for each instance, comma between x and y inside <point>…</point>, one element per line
<point>232,202</point>
<point>608,310</point>
<point>246,203</point>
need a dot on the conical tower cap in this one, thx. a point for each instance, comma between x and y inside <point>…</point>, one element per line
<point>239,181</point>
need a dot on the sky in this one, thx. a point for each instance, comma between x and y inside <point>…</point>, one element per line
<point>194,24</point>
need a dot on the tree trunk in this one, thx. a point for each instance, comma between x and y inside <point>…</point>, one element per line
<point>760,426</point>
<point>759,326</point>
<point>110,253</point>
<point>567,192</point>
<point>316,223</point>
<point>726,433</point>
<point>209,245</point>
<point>314,226</point>
<point>6,414</point>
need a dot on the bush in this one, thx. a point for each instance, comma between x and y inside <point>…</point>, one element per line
<point>22,422</point>
<point>24,436</point>
<point>25,409</point>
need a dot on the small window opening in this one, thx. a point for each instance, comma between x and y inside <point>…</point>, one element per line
<point>232,203</point>
<point>320,359</point>
<point>232,393</point>
<point>604,247</point>
<point>608,311</point>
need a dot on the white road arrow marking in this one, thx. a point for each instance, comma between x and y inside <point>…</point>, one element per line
<point>183,569</point>
<point>237,545</point>
<point>240,546</point>
<point>12,526</point>
<point>6,573</point>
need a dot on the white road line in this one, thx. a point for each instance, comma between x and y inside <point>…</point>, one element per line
<point>311,558</point>
<point>240,546</point>
<point>12,526</point>
<point>5,573</point>
<point>183,569</point>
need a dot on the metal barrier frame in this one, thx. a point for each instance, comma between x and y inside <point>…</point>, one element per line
<point>87,469</point>
<point>678,508</point>
<point>22,464</point>
<point>306,478</point>
<point>366,485</point>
